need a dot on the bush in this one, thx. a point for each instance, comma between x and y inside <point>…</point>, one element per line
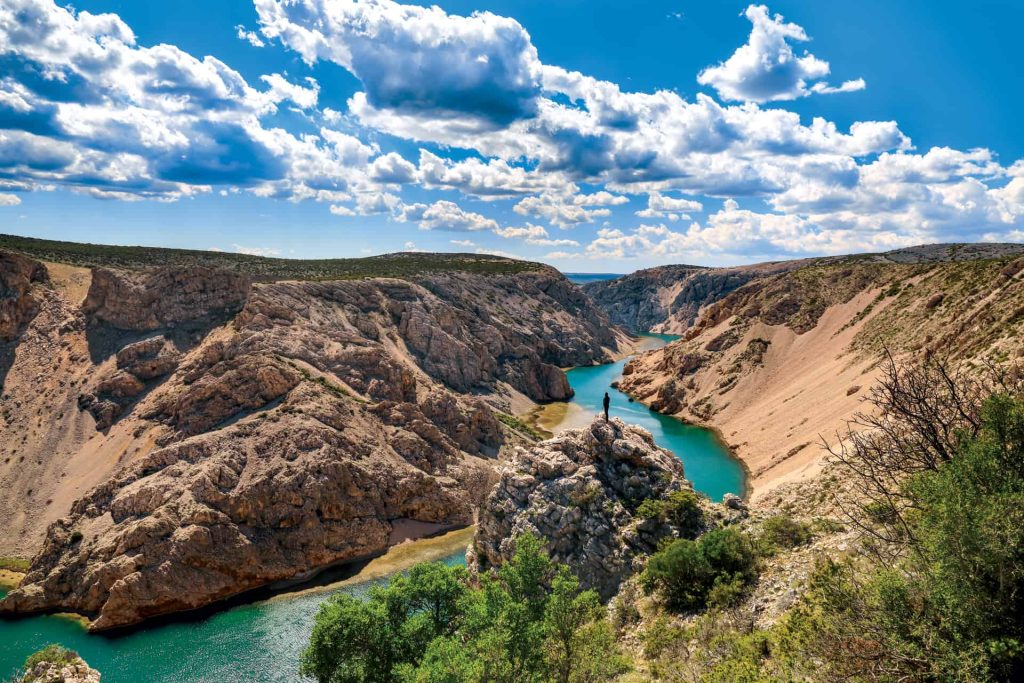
<point>782,532</point>
<point>685,573</point>
<point>681,509</point>
<point>530,623</point>
<point>53,653</point>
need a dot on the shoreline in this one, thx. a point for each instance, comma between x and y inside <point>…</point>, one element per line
<point>397,558</point>
<point>562,415</point>
<point>10,579</point>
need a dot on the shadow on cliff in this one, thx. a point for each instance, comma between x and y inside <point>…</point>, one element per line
<point>105,340</point>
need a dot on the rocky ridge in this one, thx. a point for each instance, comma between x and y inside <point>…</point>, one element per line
<point>785,359</point>
<point>670,299</point>
<point>204,443</point>
<point>580,492</point>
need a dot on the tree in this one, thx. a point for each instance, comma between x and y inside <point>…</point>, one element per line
<point>366,640</point>
<point>529,623</point>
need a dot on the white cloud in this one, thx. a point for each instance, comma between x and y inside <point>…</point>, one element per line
<point>391,168</point>
<point>256,251</point>
<point>659,206</point>
<point>535,235</point>
<point>766,69</point>
<point>96,112</point>
<point>445,215</point>
<point>248,36</point>
<point>7,199</point>
<point>281,90</point>
<point>569,210</point>
<point>463,243</point>
<point>416,59</point>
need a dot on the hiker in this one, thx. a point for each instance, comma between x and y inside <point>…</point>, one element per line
<point>607,402</point>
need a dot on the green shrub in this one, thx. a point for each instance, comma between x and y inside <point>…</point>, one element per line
<point>681,509</point>
<point>782,532</point>
<point>685,572</point>
<point>53,653</point>
<point>531,623</point>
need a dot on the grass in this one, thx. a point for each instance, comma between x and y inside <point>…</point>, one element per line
<point>260,268</point>
<point>14,564</point>
<point>515,423</point>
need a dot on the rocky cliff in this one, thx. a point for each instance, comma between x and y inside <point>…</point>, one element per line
<point>581,493</point>
<point>669,299</point>
<point>187,435</point>
<point>785,359</point>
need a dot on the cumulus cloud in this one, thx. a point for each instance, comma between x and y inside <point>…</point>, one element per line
<point>415,59</point>
<point>567,211</point>
<point>83,105</point>
<point>7,199</point>
<point>392,168</point>
<point>445,215</point>
<point>766,69</point>
<point>535,235</point>
<point>248,36</point>
<point>659,206</point>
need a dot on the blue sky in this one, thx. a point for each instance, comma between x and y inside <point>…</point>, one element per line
<point>592,135</point>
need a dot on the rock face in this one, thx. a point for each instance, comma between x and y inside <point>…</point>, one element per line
<point>163,297</point>
<point>669,299</point>
<point>17,305</point>
<point>295,435</point>
<point>580,492</point>
<point>76,671</point>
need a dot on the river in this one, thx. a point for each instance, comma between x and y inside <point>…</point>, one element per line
<point>261,641</point>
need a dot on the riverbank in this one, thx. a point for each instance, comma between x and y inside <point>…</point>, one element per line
<point>10,579</point>
<point>259,640</point>
<point>709,462</point>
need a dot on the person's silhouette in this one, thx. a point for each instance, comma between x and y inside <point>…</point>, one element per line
<point>607,402</point>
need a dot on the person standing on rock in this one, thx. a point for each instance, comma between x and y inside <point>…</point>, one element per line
<point>607,402</point>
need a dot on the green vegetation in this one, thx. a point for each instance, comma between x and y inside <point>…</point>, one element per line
<point>681,509</point>
<point>513,422</point>
<point>14,564</point>
<point>781,532</point>
<point>714,570</point>
<point>53,653</point>
<point>936,591</point>
<point>400,265</point>
<point>530,623</point>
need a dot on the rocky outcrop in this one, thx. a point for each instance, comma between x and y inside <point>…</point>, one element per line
<point>74,671</point>
<point>274,497</point>
<point>670,299</point>
<point>17,305</point>
<point>163,297</point>
<point>580,493</point>
<point>293,435</point>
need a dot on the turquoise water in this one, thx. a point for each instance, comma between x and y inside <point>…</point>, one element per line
<point>708,463</point>
<point>256,642</point>
<point>262,641</point>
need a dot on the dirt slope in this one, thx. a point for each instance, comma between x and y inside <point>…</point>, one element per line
<point>786,359</point>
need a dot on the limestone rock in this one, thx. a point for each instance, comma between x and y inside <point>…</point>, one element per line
<point>163,297</point>
<point>291,435</point>
<point>52,672</point>
<point>17,305</point>
<point>579,492</point>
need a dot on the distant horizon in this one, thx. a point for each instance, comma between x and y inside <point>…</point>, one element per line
<point>603,140</point>
<point>570,274</point>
